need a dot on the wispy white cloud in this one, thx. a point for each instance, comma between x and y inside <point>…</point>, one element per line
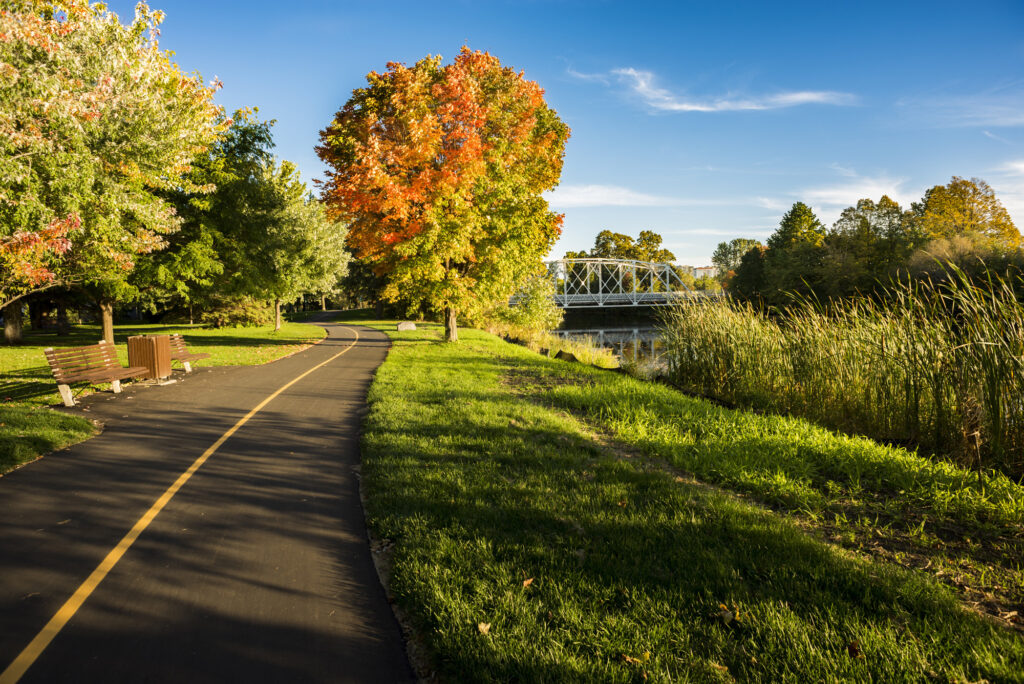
<point>599,77</point>
<point>1008,183</point>
<point>700,231</point>
<point>843,170</point>
<point>726,233</point>
<point>1001,106</point>
<point>573,196</point>
<point>643,84</point>
<point>770,203</point>
<point>1013,168</point>
<point>828,201</point>
<point>993,136</point>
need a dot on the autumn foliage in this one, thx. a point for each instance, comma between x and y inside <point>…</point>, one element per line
<point>26,257</point>
<point>94,117</point>
<point>439,169</point>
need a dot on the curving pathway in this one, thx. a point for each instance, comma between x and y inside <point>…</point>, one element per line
<point>256,569</point>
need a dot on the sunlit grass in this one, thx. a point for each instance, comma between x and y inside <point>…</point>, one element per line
<point>593,558</point>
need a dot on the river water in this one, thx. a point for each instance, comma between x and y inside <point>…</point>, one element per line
<point>637,345</point>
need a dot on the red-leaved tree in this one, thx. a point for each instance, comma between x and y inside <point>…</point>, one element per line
<point>439,170</point>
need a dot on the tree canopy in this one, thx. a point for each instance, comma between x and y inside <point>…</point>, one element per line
<point>965,207</point>
<point>610,245</point>
<point>439,170</point>
<point>95,118</point>
<point>727,255</point>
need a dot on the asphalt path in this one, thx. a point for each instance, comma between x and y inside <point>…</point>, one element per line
<point>257,570</point>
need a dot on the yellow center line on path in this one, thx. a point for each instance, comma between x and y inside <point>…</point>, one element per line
<point>31,653</point>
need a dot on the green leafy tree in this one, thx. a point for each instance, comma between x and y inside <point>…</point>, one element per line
<point>186,270</point>
<point>611,245</point>
<point>792,262</point>
<point>534,307</point>
<point>748,283</point>
<point>727,255</point>
<point>965,207</point>
<point>278,242</point>
<point>94,122</point>
<point>799,225</point>
<point>865,248</point>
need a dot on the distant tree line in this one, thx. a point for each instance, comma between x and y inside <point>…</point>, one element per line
<point>874,244</point>
<point>646,247</point>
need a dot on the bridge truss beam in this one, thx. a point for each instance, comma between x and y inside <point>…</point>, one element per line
<point>581,283</point>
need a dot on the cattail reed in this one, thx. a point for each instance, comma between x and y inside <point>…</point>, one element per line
<point>938,367</point>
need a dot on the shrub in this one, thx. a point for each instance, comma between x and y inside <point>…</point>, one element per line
<point>236,312</point>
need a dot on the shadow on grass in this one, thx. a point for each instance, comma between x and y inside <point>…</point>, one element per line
<point>481,491</point>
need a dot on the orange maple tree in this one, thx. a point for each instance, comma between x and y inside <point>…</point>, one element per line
<point>439,170</point>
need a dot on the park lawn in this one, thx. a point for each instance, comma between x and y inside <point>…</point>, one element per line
<point>539,521</point>
<point>29,429</point>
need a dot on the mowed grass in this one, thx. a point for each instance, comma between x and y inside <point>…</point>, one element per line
<point>27,432</point>
<point>28,428</point>
<point>540,529</point>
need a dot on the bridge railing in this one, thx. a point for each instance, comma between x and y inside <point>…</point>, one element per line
<point>617,282</point>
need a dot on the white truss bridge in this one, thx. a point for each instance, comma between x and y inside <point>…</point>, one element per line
<point>582,283</point>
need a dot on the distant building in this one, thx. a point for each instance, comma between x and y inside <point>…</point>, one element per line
<point>701,271</point>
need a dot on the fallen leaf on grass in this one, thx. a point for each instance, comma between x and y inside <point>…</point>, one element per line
<point>853,648</point>
<point>720,668</point>
<point>730,617</point>
<point>484,627</point>
<point>623,503</point>
<point>527,582</point>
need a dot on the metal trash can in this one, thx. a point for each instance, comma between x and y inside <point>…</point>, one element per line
<point>152,352</point>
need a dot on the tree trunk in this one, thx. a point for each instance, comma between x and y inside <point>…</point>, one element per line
<point>191,318</point>
<point>36,314</point>
<point>63,325</point>
<point>323,302</point>
<point>12,323</point>
<point>451,330</point>
<point>277,314</point>
<point>107,314</point>
<point>379,308</point>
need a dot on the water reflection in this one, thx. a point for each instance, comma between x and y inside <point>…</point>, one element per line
<point>639,345</point>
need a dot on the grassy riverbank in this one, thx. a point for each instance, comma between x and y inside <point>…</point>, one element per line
<point>547,521</point>
<point>28,428</point>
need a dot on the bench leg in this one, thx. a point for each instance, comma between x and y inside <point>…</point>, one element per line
<point>187,366</point>
<point>65,394</point>
<point>116,386</point>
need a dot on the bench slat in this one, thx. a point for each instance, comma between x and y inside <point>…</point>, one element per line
<point>179,352</point>
<point>93,363</point>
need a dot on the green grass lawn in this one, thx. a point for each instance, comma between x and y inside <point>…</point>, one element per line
<point>29,429</point>
<point>544,521</point>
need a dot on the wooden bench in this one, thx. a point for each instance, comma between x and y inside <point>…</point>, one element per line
<point>180,353</point>
<point>94,363</point>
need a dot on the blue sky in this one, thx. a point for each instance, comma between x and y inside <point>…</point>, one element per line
<point>701,121</point>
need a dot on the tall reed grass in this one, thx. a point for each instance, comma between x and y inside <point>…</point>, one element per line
<point>936,366</point>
